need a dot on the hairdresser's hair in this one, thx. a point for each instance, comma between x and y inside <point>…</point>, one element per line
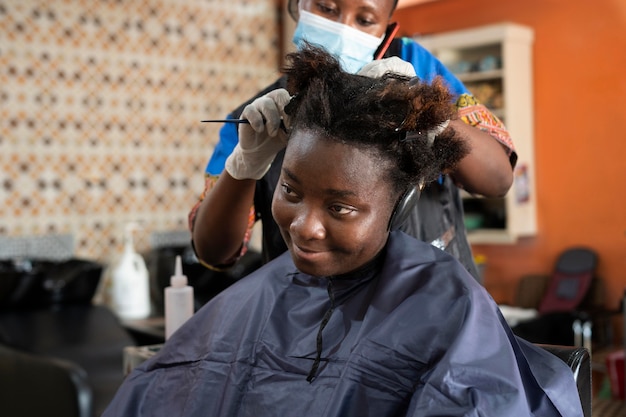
<point>391,116</point>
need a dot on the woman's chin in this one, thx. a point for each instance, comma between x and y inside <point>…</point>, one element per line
<point>312,266</point>
<point>307,267</point>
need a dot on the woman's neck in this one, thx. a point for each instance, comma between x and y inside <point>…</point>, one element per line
<point>366,270</point>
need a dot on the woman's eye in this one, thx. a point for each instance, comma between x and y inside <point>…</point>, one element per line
<point>286,189</point>
<point>289,193</point>
<point>341,210</point>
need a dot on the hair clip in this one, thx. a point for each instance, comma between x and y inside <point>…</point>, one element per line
<point>430,134</point>
<point>411,135</point>
<point>436,131</point>
<point>413,81</point>
<point>399,128</point>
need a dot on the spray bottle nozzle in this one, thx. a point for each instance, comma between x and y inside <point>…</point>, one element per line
<point>178,279</point>
<point>129,229</point>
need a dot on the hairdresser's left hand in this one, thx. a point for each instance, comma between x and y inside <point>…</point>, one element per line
<point>378,68</point>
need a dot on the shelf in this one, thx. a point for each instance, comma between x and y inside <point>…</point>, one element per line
<point>490,236</point>
<point>500,114</point>
<point>474,76</point>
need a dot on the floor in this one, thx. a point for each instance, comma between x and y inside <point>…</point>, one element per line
<point>602,406</point>
<point>608,408</point>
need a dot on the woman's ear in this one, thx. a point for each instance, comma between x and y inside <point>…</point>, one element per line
<point>292,8</point>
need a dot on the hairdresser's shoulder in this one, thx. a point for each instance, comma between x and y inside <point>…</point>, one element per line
<point>405,46</point>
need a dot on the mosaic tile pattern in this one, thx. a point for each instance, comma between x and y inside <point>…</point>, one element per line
<point>100,103</point>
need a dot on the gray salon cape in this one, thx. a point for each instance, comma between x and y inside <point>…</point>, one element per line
<point>414,336</point>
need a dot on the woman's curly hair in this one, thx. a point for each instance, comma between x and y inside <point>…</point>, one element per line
<point>392,115</point>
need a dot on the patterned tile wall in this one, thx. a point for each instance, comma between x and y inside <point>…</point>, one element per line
<point>100,103</point>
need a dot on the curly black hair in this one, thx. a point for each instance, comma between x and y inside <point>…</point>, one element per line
<point>392,115</point>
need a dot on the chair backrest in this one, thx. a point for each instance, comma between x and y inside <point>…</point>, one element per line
<point>579,361</point>
<point>570,281</point>
<point>34,385</point>
<point>530,290</point>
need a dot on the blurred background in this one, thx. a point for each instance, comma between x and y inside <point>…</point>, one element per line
<point>101,102</point>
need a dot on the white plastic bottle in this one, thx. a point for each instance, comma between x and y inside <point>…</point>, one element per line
<point>130,286</point>
<point>179,304</point>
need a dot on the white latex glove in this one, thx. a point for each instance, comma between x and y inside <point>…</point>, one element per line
<point>262,139</point>
<point>379,67</point>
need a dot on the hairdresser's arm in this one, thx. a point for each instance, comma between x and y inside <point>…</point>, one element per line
<point>221,220</point>
<point>486,170</point>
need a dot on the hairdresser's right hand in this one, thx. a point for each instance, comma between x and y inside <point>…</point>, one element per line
<point>262,139</point>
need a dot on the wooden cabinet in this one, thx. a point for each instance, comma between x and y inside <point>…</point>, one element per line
<point>495,63</point>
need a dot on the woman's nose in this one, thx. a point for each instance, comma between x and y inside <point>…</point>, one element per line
<point>307,224</point>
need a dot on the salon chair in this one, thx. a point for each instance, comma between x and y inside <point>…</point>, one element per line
<point>36,385</point>
<point>572,294</point>
<point>47,322</point>
<point>90,337</point>
<point>579,361</point>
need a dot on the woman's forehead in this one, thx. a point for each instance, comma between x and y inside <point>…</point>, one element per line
<point>312,157</point>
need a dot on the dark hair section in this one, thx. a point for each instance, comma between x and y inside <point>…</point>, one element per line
<point>390,116</point>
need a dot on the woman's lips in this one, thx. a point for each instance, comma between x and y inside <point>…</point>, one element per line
<point>308,254</point>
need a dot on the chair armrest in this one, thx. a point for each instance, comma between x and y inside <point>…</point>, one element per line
<point>579,361</point>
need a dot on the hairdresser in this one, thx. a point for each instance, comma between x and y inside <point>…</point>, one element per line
<point>242,172</point>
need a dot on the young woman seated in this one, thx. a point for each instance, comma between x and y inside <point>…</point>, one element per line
<point>357,319</point>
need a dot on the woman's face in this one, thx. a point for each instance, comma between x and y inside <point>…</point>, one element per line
<point>369,16</point>
<point>332,205</point>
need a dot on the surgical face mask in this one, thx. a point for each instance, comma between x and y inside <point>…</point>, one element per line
<point>353,47</point>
